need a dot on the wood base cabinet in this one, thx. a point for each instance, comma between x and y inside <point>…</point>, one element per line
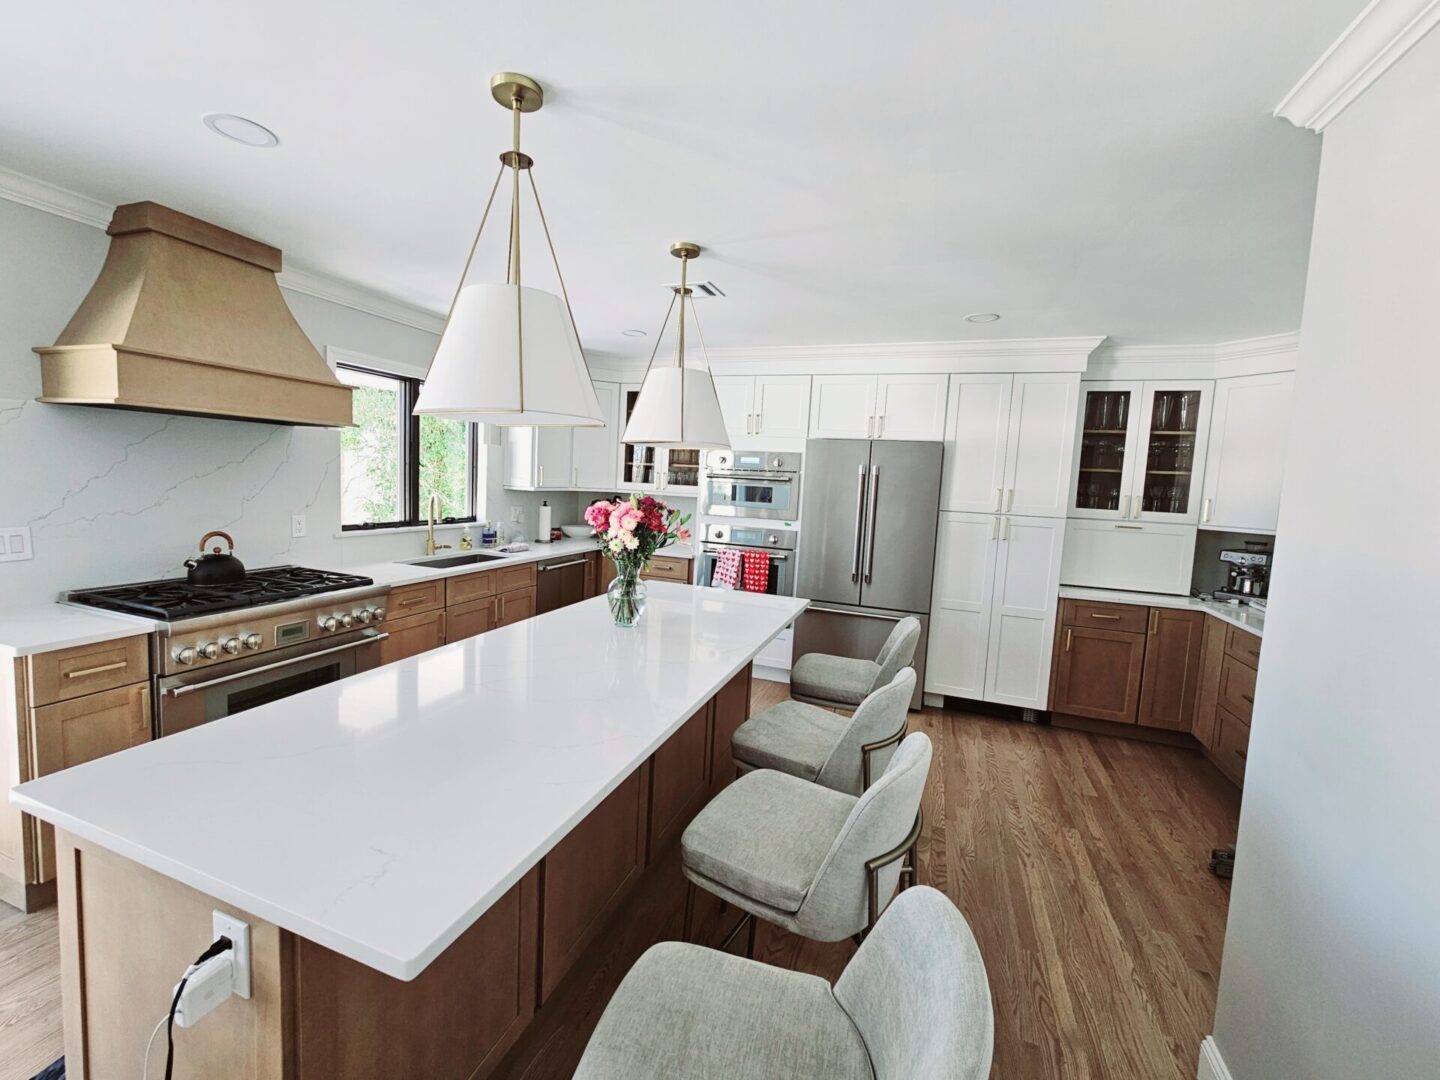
<point>1171,678</point>
<point>1097,674</point>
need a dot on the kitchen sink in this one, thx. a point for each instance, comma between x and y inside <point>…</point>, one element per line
<point>466,559</point>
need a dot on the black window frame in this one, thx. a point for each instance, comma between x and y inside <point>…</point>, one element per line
<point>410,459</point>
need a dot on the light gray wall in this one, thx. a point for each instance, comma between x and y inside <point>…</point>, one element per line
<point>113,496</point>
<point>1332,957</point>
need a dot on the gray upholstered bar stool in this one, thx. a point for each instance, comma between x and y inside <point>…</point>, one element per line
<point>815,744</point>
<point>912,1003</point>
<point>842,682</point>
<point>818,862</point>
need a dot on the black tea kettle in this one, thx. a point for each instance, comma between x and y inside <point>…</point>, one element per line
<point>215,568</point>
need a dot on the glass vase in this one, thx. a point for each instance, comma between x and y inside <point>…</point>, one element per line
<point>626,595</point>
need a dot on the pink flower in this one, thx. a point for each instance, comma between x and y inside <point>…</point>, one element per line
<point>683,536</point>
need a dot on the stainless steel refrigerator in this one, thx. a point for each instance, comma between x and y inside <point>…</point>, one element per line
<point>868,516</point>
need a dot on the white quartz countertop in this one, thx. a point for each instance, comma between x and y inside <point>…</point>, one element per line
<point>381,815</point>
<point>1241,615</point>
<point>37,628</point>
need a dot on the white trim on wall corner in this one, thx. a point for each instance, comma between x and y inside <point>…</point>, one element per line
<point>1212,1065</point>
<point>62,202</point>
<point>1226,359</point>
<point>1380,35</point>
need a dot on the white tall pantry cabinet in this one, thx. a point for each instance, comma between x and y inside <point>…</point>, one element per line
<point>1004,494</point>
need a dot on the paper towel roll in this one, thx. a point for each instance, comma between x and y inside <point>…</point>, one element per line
<point>544,534</point>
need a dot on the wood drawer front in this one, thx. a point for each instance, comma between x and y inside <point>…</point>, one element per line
<point>515,577</point>
<point>1232,744</point>
<point>467,587</point>
<point>413,599</point>
<point>515,606</point>
<point>1237,688</point>
<point>1128,618</point>
<point>88,669</point>
<point>468,620</point>
<point>665,568</point>
<point>412,635</point>
<point>1242,645</point>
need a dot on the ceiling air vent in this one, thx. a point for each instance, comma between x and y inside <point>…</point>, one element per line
<point>700,290</point>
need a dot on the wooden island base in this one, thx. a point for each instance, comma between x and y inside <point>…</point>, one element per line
<point>127,933</point>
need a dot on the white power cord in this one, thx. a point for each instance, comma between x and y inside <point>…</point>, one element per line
<point>145,1068</point>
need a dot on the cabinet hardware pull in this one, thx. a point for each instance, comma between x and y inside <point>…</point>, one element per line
<point>999,498</point>
<point>96,670</point>
<point>1137,528</point>
<point>1247,699</point>
<point>1242,755</point>
<point>994,528</point>
<point>1009,499</point>
<point>1005,530</point>
<point>542,476</point>
<point>1154,620</point>
<point>502,609</point>
<point>1113,618</point>
<point>1205,513</point>
<point>880,426</point>
<point>869,427</point>
<point>575,476</point>
<point>759,422</point>
<point>1068,634</point>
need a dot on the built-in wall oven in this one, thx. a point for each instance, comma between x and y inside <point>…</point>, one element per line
<point>751,484</point>
<point>777,543</point>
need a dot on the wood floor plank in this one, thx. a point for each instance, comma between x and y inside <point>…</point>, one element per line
<point>1078,859</point>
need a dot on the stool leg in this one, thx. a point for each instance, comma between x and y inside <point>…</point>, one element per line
<point>750,939</point>
<point>689,910</point>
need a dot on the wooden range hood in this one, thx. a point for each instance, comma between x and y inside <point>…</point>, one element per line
<point>188,318</point>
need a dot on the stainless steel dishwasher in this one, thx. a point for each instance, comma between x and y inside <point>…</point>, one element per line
<point>559,582</point>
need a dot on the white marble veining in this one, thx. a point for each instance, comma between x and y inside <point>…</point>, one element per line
<point>380,816</point>
<point>1241,615</point>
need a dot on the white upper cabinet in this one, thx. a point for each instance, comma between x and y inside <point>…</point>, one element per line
<point>782,406</point>
<point>842,406</point>
<point>1246,458</point>
<point>1129,556</point>
<point>639,465</point>
<point>976,436</point>
<point>992,613</point>
<point>1139,450</point>
<point>764,406</point>
<point>878,407</point>
<point>595,457</point>
<point>1009,443</point>
<point>910,407</point>
<point>1041,444</point>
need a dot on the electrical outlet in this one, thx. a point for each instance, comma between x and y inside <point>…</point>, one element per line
<point>517,514</point>
<point>239,934</point>
<point>297,526</point>
<point>15,544</point>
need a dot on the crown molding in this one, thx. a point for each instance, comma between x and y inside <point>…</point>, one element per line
<point>1226,359</point>
<point>62,202</point>
<point>1380,35</point>
<point>1003,354</point>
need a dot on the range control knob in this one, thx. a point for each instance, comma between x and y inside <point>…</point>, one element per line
<point>231,645</point>
<point>773,538</point>
<point>366,616</point>
<point>347,620</point>
<point>183,655</point>
<point>252,641</point>
<point>718,534</point>
<point>776,462</point>
<point>379,613</point>
<point>210,650</point>
<point>328,622</point>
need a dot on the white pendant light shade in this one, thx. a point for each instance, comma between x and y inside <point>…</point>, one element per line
<point>480,373</point>
<point>671,413</point>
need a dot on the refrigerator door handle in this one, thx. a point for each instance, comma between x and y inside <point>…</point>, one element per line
<point>870,521</point>
<point>859,526</point>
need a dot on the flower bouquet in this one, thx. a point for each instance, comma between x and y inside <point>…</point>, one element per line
<point>630,531</point>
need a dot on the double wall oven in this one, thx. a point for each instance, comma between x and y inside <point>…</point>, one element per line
<point>777,543</point>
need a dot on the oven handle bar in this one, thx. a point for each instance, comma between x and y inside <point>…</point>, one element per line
<point>774,556</point>
<point>774,478</point>
<point>190,688</point>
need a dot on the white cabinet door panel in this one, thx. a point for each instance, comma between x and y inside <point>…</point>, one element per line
<point>1043,414</point>
<point>554,454</point>
<point>1157,437</point>
<point>960,604</point>
<point>737,403</point>
<point>782,406</point>
<point>910,407</point>
<point>1022,620</point>
<point>1137,557</point>
<point>1245,464</point>
<point>977,420</point>
<point>842,406</point>
<point>596,449</point>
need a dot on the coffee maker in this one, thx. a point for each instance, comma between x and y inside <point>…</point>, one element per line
<point>1249,572</point>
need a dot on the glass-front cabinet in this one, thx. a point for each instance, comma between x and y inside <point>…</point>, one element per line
<point>654,468</point>
<point>1140,449</point>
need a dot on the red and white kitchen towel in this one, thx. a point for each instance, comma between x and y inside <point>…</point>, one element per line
<point>727,570</point>
<point>748,570</point>
<point>757,571</point>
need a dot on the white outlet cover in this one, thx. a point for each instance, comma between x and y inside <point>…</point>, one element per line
<point>226,925</point>
<point>517,513</point>
<point>15,543</point>
<point>297,526</point>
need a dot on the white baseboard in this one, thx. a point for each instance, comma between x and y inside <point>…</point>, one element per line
<point>1212,1065</point>
<point>772,674</point>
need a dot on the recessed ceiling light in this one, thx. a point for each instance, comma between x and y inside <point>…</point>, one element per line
<point>238,129</point>
<point>633,333</point>
<point>983,316</point>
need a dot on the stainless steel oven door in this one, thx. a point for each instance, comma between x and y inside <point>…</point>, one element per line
<point>782,568</point>
<point>197,697</point>
<point>752,495</point>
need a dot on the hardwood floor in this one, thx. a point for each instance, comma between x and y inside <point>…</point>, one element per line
<point>1078,859</point>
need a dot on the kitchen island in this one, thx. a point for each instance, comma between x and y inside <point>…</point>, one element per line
<point>422,851</point>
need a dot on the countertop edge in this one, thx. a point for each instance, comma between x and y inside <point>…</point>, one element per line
<point>1233,614</point>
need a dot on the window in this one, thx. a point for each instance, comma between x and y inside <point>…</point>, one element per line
<point>392,461</point>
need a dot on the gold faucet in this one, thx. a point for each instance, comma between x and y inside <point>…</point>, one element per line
<point>430,546</point>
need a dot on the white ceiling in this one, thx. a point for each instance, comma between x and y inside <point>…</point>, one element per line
<point>859,172</point>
